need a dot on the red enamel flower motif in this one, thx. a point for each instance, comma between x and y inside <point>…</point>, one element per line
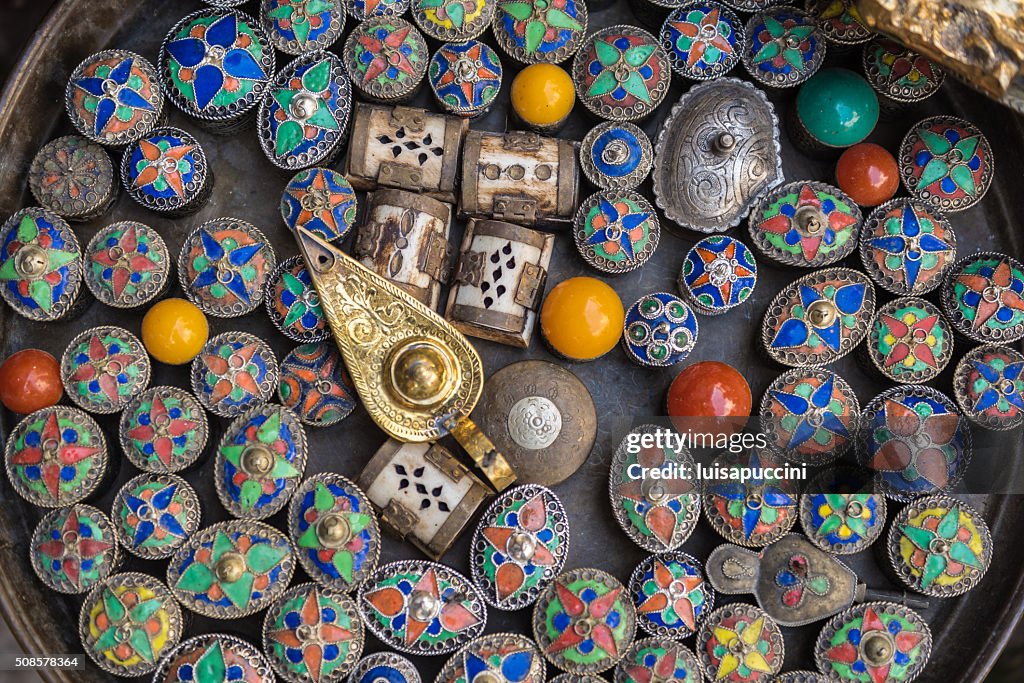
<point>232,371</point>
<point>52,454</point>
<point>311,635</point>
<point>103,367</point>
<point>70,549</point>
<point>483,73</point>
<point>993,293</point>
<point>577,610</point>
<point>849,653</point>
<point>162,430</point>
<point>916,441</point>
<point>421,607</point>
<point>653,501</point>
<point>795,229</point>
<point>664,667</point>
<point>520,546</point>
<point>708,26</point>
<point>386,53</point>
<point>676,591</point>
<point>163,164</point>
<point>911,340</point>
<point>123,260</point>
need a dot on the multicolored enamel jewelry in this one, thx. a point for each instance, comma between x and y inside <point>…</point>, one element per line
<point>335,531</point>
<point>916,441</point>
<point>74,178</point>
<point>388,666</point>
<point>386,58</point>
<point>983,297</point>
<point>234,372</point>
<point>74,548</point>
<point>671,595</point>
<point>616,231</point>
<point>155,514</point>
<point>740,643</point>
<point>422,607</point>
<point>939,546</point>
<point>41,268</point>
<point>810,416</point>
<point>989,386</point>
<point>875,641</point>
<point>56,456</point>
<point>753,512</point>
<point>465,76</point>
<point>167,171</point>
<point>128,623</point>
<point>300,27</point>
<point>103,368</point>
<point>584,621</point>
<point>656,659</point>
<point>839,21</point>
<point>718,274</point>
<point>127,265</point>
<point>320,201</point>
<point>703,40</point>
<point>518,30</point>
<point>293,304</point>
<point>519,547</point>
<point>495,657</point>
<point>660,330</point>
<point>453,20</point>
<point>313,634</point>
<point>163,430</point>
<point>113,98</point>
<point>819,318</point>
<point>232,569</point>
<point>783,46</point>
<point>214,658</point>
<point>946,162</point>
<point>303,116</point>
<point>622,73</point>
<point>616,156</point>
<point>840,512</point>
<point>315,385</point>
<point>900,75</point>
<point>910,341</point>
<point>907,247</point>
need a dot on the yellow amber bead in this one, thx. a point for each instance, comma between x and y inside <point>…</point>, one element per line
<point>582,318</point>
<point>174,331</point>
<point>542,96</point>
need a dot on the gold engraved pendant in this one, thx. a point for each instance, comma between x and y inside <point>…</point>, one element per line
<point>418,376</point>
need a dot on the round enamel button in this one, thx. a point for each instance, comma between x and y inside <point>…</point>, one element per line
<point>166,171</point>
<point>907,247</point>
<point>495,657</point>
<point>56,456</point>
<point>232,569</point>
<point>916,441</point>
<point>819,318</point>
<point>806,224</point>
<point>155,514</point>
<point>387,666</point>
<point>216,65</point>
<point>40,265</point>
<point>260,461</point>
<point>543,96</point>
<point>660,330</point>
<point>657,514</point>
<point>718,274</point>
<point>983,296</point>
<point>128,623</point>
<point>163,430</point>
<point>835,108</point>
<point>113,97</point>
<point>335,531</point>
<point>939,546</point>
<point>876,641</point>
<point>616,156</point>
<point>839,21</point>
<point>298,27</point>
<point>671,595</point>
<point>361,10</point>
<point>519,546</point>
<point>304,114</point>
<point>622,73</point>
<point>751,512</point>
<point>581,318</point>
<point>946,162</point>
<point>465,76</point>
<point>989,386</point>
<point>422,607</point>
<point>840,512</point>
<point>235,371</point>
<point>651,659</point>
<point>516,28</point>
<point>703,40</point>
<point>227,657</point>
<point>320,201</point>
<point>313,634</point>
<point>315,385</point>
<point>74,178</point>
<point>103,368</point>
<point>910,341</point>
<point>386,58</point>
<point>293,304</point>
<point>616,231</point>
<point>810,416</point>
<point>453,20</point>
<point>224,266</point>
<point>127,265</point>
<point>74,548</point>
<point>584,621</point>
<point>782,47</point>
<point>898,74</point>
<point>740,643</point>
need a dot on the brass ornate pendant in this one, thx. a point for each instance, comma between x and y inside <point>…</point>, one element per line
<point>418,377</point>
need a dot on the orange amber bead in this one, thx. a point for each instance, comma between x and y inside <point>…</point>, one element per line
<point>174,331</point>
<point>711,397</point>
<point>30,381</point>
<point>868,174</point>
<point>581,318</point>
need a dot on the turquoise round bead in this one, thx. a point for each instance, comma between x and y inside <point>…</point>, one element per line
<point>837,107</point>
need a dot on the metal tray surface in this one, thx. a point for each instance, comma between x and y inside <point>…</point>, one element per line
<point>969,632</point>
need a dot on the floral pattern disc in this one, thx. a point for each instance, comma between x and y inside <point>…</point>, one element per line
<point>946,162</point>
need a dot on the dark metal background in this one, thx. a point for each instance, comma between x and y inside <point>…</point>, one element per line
<point>969,632</point>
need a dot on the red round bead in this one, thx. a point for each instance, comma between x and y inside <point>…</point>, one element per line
<point>868,173</point>
<point>30,381</point>
<point>711,390</point>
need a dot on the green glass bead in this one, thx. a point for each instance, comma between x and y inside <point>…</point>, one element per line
<point>837,107</point>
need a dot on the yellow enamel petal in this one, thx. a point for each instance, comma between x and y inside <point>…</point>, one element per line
<point>755,661</point>
<point>752,632</point>
<point>729,663</point>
